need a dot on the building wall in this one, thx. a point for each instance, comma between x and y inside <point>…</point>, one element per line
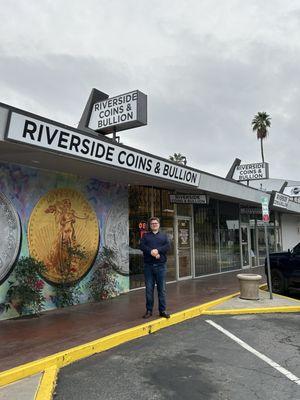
<point>290,226</point>
<point>25,187</point>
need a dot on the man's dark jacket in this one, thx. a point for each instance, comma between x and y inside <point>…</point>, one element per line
<point>157,241</point>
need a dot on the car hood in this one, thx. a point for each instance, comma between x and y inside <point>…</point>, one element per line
<point>280,254</point>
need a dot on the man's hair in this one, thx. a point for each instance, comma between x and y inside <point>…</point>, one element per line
<point>154,219</point>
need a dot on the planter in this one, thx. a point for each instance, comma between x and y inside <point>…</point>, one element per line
<point>249,286</point>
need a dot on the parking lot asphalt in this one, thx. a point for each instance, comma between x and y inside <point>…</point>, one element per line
<point>195,360</point>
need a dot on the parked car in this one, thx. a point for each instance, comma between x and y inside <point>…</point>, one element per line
<point>285,270</point>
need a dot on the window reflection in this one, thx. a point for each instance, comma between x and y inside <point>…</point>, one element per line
<point>142,200</point>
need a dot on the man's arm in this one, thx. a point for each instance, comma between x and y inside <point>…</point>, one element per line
<point>165,247</point>
<point>143,246</point>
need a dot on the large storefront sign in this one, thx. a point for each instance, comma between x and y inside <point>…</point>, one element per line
<point>125,111</point>
<point>188,198</point>
<point>250,172</point>
<point>45,135</point>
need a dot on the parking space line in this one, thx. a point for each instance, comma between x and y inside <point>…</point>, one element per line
<point>266,359</point>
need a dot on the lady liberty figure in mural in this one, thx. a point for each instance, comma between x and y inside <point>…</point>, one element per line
<point>65,244</point>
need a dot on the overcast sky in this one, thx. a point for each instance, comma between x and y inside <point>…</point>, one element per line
<point>207,67</point>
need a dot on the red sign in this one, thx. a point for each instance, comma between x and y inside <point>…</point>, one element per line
<point>143,228</point>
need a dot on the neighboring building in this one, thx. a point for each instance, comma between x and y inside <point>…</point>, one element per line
<point>70,187</point>
<point>290,223</point>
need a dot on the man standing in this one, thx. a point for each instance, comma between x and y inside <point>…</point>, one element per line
<point>155,245</point>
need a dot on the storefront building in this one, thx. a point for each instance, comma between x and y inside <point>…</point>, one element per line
<point>62,188</point>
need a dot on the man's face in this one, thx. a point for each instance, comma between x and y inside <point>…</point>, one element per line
<point>154,225</point>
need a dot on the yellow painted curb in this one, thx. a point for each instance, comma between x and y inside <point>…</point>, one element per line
<point>68,356</point>
<point>47,384</point>
<point>286,309</point>
<point>264,286</point>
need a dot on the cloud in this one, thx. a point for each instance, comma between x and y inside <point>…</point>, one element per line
<point>207,68</point>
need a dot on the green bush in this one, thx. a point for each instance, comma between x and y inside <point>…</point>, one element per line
<point>67,293</point>
<point>103,283</point>
<point>25,292</point>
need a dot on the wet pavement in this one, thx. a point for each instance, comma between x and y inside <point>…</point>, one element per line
<point>27,339</point>
<point>194,360</point>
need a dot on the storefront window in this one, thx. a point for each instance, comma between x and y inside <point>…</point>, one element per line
<point>145,202</point>
<point>229,236</point>
<point>252,222</point>
<point>139,213</point>
<point>206,238</point>
<point>184,210</point>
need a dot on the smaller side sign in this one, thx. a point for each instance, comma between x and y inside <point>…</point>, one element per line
<point>250,172</point>
<point>250,210</point>
<point>118,113</point>
<point>188,198</point>
<point>281,200</point>
<point>292,191</point>
<point>265,209</point>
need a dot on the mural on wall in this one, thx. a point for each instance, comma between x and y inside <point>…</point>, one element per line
<point>57,210</point>
<point>116,234</point>
<point>10,236</point>
<point>61,221</point>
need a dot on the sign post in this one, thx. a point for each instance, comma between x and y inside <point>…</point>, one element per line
<point>266,219</point>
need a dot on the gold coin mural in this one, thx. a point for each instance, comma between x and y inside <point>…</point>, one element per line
<point>63,232</point>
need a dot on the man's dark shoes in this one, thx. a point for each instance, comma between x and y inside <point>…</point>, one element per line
<point>164,314</point>
<point>147,315</point>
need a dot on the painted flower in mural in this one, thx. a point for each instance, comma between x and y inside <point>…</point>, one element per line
<point>63,232</point>
<point>39,284</point>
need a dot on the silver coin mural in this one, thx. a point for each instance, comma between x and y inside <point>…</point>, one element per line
<point>10,236</point>
<point>116,233</point>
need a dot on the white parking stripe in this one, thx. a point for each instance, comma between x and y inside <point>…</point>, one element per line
<point>266,359</point>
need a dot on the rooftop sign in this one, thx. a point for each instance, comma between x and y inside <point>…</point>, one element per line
<point>40,133</point>
<point>118,113</point>
<point>250,172</point>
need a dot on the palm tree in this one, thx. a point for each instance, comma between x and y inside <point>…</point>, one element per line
<point>178,158</point>
<point>260,124</point>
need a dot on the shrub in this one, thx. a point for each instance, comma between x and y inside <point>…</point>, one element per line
<point>25,292</point>
<point>67,292</point>
<point>103,283</point>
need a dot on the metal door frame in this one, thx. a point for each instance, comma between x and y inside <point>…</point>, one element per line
<point>190,219</point>
<point>245,225</point>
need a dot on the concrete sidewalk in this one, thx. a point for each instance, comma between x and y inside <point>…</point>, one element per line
<point>236,305</point>
<point>24,389</point>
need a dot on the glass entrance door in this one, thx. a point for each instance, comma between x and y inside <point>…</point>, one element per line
<point>249,245</point>
<point>184,247</point>
<point>245,246</point>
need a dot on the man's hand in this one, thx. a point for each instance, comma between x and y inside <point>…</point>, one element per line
<point>157,257</point>
<point>154,252</point>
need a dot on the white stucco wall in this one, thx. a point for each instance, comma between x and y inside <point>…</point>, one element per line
<point>290,224</point>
